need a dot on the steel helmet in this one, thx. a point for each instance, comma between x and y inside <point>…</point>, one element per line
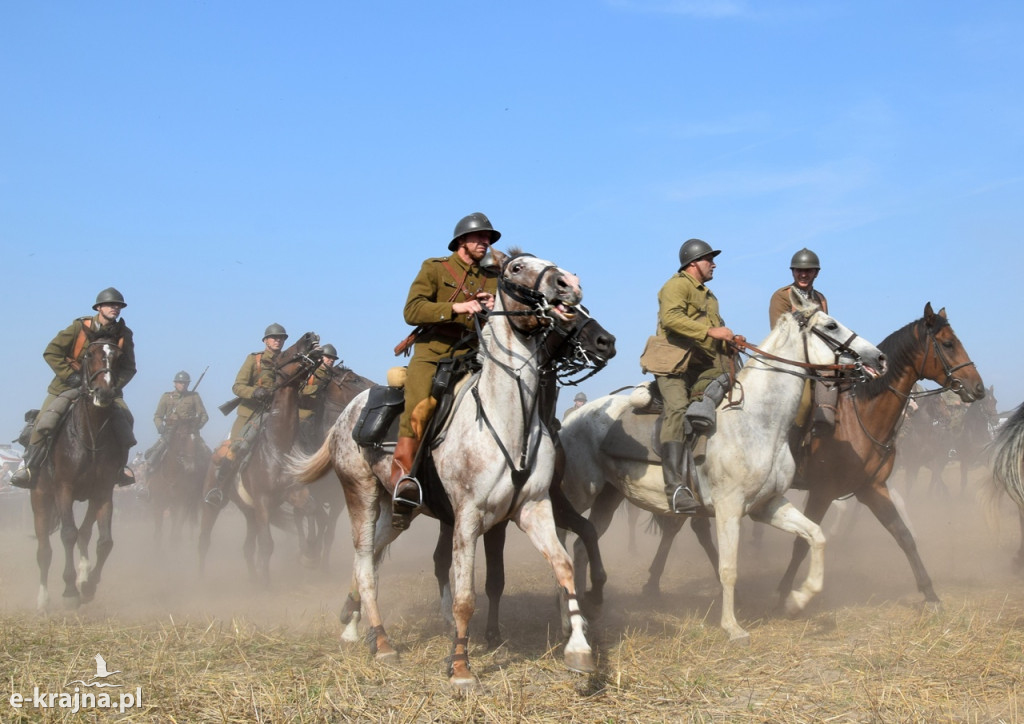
<point>182,377</point>
<point>275,330</point>
<point>109,296</point>
<point>805,259</point>
<point>694,249</point>
<point>469,224</point>
<point>329,351</point>
<point>580,397</point>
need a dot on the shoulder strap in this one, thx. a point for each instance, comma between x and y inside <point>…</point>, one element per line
<point>458,283</point>
<point>79,345</point>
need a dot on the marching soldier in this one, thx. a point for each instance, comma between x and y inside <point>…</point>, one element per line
<point>254,384</point>
<point>442,302</point>
<point>64,355</point>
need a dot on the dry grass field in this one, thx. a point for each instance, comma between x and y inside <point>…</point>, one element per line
<point>219,651</point>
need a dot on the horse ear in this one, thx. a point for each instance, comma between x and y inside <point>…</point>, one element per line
<point>800,303</point>
<point>929,313</point>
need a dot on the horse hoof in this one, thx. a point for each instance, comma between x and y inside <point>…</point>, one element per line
<point>386,657</point>
<point>582,662</point>
<point>72,602</point>
<point>464,682</point>
<point>933,606</point>
<point>740,639</point>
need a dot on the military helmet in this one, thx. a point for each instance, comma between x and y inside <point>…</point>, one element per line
<point>182,377</point>
<point>694,249</point>
<point>469,224</point>
<point>275,330</point>
<point>330,351</point>
<point>109,296</point>
<point>805,259</point>
<point>580,397</point>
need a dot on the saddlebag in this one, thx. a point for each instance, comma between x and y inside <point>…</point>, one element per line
<point>383,405</point>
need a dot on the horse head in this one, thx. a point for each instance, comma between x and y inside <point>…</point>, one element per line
<point>829,342</point>
<point>99,376</point>
<point>945,359</point>
<point>535,293</point>
<point>298,361</point>
<point>586,346</point>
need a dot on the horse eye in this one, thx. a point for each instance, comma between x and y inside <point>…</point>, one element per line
<point>516,268</point>
<point>947,344</point>
<point>832,326</point>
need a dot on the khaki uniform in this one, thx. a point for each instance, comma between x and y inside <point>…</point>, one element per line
<point>430,301</point>
<point>256,371</point>
<point>687,309</point>
<point>180,408</point>
<point>58,354</point>
<point>780,302</point>
<point>308,394</point>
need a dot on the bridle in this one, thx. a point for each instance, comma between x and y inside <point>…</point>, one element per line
<point>951,383</point>
<point>108,347</point>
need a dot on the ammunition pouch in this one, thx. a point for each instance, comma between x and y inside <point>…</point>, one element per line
<point>26,432</point>
<point>443,376</point>
<point>383,406</point>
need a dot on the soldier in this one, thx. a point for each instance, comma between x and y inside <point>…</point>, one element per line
<point>64,355</point>
<point>689,320</point>
<point>178,409</point>
<point>577,402</point>
<point>805,267</point>
<point>254,384</point>
<point>317,381</point>
<point>443,299</point>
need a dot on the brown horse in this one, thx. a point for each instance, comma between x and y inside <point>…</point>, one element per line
<point>317,531</point>
<point>86,457</point>
<point>858,458</point>
<point>176,481</point>
<point>262,485</point>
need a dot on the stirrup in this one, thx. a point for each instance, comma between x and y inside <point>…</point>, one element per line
<point>683,506</point>
<point>127,477</point>
<point>402,509</point>
<point>215,498</point>
<point>23,478</point>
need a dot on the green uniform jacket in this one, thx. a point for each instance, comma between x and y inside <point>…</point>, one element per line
<point>430,303</point>
<point>58,355</point>
<point>180,408</point>
<point>686,311</point>
<point>307,395</point>
<point>780,302</point>
<point>248,379</point>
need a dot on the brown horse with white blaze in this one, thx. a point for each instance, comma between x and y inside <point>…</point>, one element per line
<point>85,460</point>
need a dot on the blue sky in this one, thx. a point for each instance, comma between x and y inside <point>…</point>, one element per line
<point>227,165</point>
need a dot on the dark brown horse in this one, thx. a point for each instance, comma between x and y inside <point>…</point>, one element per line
<point>317,531</point>
<point>936,435</point>
<point>86,458</point>
<point>858,458</point>
<point>176,481</point>
<point>262,485</point>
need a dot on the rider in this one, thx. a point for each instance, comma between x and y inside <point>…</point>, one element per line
<point>688,319</point>
<point>317,381</point>
<point>577,402</point>
<point>254,384</point>
<point>178,409</point>
<point>443,299</point>
<point>805,267</point>
<point>64,355</point>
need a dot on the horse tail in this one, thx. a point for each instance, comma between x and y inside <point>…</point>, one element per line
<point>310,468</point>
<point>1008,450</point>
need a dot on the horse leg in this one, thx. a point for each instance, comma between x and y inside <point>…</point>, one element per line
<point>494,584</point>
<point>601,513</point>
<point>363,512</point>
<point>249,546</point>
<point>1018,561</point>
<point>632,518</point>
<point>207,520</point>
<point>566,516</point>
<point>877,498</point>
<point>42,512</point>
<point>702,529</point>
<point>330,530</point>
<point>84,538</point>
<point>69,537</point>
<point>782,514</point>
<point>463,598</point>
<point>818,502</point>
<point>442,571</point>
<point>727,522</point>
<point>104,514</point>
<point>536,520</point>
<point>670,527</point>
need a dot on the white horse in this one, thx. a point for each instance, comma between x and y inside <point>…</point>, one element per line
<point>494,460</point>
<point>748,467</point>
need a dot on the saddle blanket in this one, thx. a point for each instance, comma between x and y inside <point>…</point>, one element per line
<point>634,437</point>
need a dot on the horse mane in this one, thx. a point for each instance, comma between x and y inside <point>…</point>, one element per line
<point>899,349</point>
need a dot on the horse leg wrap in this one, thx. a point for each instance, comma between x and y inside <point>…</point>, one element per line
<point>373,636</point>
<point>463,657</point>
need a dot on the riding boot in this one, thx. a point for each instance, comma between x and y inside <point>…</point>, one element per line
<point>406,496</point>
<point>674,465</point>
<point>25,475</point>
<point>225,465</point>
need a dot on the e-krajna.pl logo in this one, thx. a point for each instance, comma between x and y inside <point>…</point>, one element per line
<point>79,699</point>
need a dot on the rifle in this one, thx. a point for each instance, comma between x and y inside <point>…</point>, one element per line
<point>200,378</point>
<point>228,407</point>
